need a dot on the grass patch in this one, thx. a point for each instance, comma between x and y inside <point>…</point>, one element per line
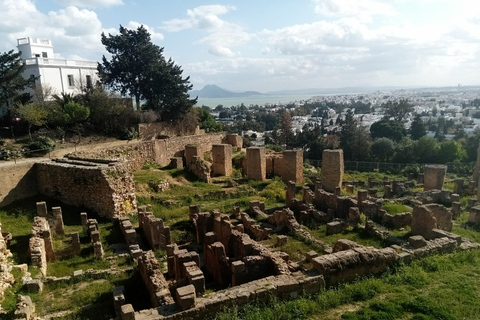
<point>66,267</point>
<point>356,235</point>
<point>437,287</point>
<point>394,208</point>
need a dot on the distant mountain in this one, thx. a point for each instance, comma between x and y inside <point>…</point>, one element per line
<point>213,91</point>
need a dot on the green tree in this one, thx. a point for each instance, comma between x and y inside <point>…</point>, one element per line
<point>207,122</point>
<point>426,150</point>
<point>286,136</point>
<point>450,151</point>
<point>354,139</point>
<point>138,68</point>
<point>382,149</point>
<point>12,83</point>
<point>390,129</point>
<point>33,114</point>
<point>74,113</point>
<point>397,109</point>
<point>405,151</point>
<point>417,129</point>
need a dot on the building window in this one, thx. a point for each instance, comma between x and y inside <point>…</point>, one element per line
<point>71,82</point>
<point>89,81</point>
<point>44,55</point>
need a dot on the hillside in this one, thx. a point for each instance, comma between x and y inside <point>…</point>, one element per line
<point>214,91</point>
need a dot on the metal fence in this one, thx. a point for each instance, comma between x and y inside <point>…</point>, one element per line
<point>366,166</point>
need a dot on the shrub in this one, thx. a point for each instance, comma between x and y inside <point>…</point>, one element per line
<point>41,145</point>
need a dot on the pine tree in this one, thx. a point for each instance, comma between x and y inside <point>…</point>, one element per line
<point>138,68</point>
<point>12,83</point>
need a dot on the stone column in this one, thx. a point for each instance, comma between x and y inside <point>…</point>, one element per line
<point>256,164</point>
<point>49,252</point>
<point>98,250</point>
<point>361,197</point>
<point>332,169</point>
<point>222,159</point>
<point>42,209</point>
<point>290,194</point>
<point>458,186</point>
<point>192,150</point>
<point>58,220</point>
<point>84,219</point>
<point>434,177</point>
<point>292,166</point>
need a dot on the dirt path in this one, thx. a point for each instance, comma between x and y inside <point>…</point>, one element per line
<point>60,153</point>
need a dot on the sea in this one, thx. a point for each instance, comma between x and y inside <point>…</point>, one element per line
<point>253,100</point>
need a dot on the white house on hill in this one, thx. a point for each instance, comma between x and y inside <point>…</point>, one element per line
<point>62,75</point>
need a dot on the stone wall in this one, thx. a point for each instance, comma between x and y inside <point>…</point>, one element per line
<point>154,280</point>
<point>6,278</point>
<point>18,181</point>
<point>159,151</point>
<point>350,264</point>
<point>427,218</point>
<point>150,131</point>
<point>157,234</point>
<point>106,190</point>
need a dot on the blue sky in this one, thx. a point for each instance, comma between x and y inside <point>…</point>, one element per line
<point>273,45</point>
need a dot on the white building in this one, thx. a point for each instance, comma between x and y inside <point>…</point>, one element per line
<point>62,75</point>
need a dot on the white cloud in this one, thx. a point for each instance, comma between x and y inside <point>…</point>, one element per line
<point>221,51</point>
<point>202,17</point>
<point>73,32</point>
<point>91,3</point>
<point>222,35</point>
<point>153,34</point>
<point>341,8</point>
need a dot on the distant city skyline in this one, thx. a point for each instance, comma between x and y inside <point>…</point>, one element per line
<point>272,45</point>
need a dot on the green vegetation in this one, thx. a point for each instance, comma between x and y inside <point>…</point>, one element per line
<point>394,208</point>
<point>437,287</point>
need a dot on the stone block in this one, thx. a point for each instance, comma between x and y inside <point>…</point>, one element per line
<point>417,241</point>
<point>186,297</point>
<point>474,216</point>
<point>118,299</point>
<point>127,312</point>
<point>311,255</point>
<point>281,240</point>
<point>256,164</point>
<point>192,151</point>
<point>332,169</point>
<point>238,266</point>
<point>222,159</point>
<point>335,227</point>
<point>292,166</point>
<point>235,140</point>
<point>77,273</point>
<point>83,219</point>
<point>95,236</point>
<point>42,209</point>
<point>434,177</point>
<point>34,286</point>
<point>176,163</point>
